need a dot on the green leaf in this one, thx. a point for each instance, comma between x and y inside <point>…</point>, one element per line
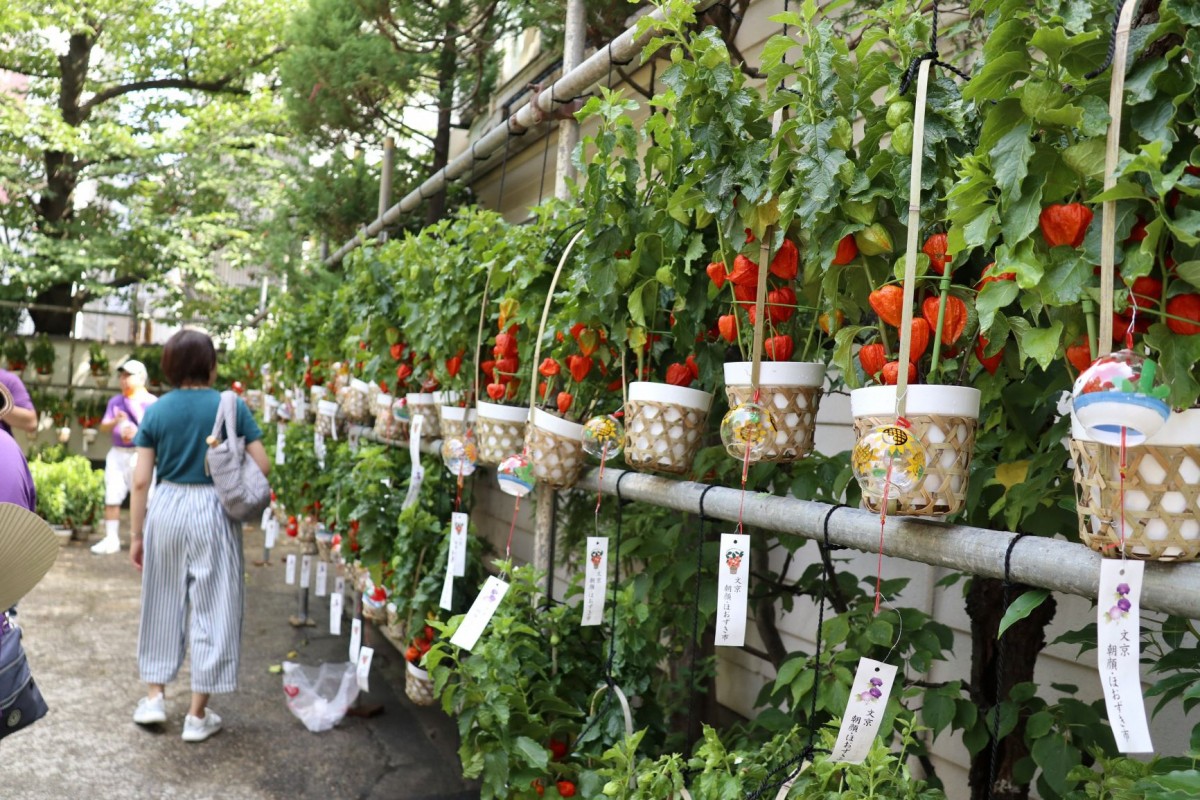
<point>1177,356</point>
<point>843,354</point>
<point>1021,608</point>
<point>537,756</point>
<point>1189,271</point>
<point>1056,757</point>
<point>1040,344</point>
<point>997,76</point>
<point>938,711</point>
<point>1010,160</point>
<point>1022,216</point>
<point>994,296</point>
<point>641,298</point>
<point>1086,158</point>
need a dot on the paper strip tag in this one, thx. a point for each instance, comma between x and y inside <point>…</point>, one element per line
<point>481,613</point>
<point>280,453</point>
<point>319,449</point>
<point>271,533</point>
<point>322,578</point>
<point>267,515</point>
<point>595,580</point>
<point>1118,626</point>
<point>447,598</point>
<point>733,588</point>
<point>458,544</point>
<point>335,613</point>
<point>290,574</point>
<point>365,655</point>
<point>868,703</point>
<point>418,471</point>
<point>305,572</point>
<point>339,585</point>
<point>355,638</point>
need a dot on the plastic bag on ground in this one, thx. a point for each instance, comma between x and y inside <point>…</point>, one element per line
<point>320,696</point>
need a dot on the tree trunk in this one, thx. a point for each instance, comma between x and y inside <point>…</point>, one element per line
<point>447,70</point>
<point>1022,643</point>
<point>55,323</point>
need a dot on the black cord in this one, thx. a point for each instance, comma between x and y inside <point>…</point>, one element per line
<point>612,642</point>
<point>931,55</point>
<point>995,731</point>
<point>691,715</point>
<point>1112,43</point>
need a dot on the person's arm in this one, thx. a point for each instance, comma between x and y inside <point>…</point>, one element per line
<point>259,453</point>
<point>112,416</point>
<point>143,473</point>
<point>24,419</point>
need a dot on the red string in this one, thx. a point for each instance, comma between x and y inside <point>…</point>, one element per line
<point>1122,491</point>
<point>600,481</point>
<point>511,528</point>
<point>458,491</point>
<point>887,483</point>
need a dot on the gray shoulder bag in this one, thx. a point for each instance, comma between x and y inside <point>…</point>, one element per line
<point>240,484</point>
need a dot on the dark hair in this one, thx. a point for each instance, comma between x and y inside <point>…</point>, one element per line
<point>189,357</point>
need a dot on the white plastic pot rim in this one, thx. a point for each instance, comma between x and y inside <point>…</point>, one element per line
<point>557,425</point>
<point>318,392</point>
<point>667,393</point>
<point>1182,429</point>
<point>445,398</point>
<point>776,373</point>
<point>384,400</point>
<point>417,671</point>
<point>502,413</point>
<point>359,385</point>
<point>457,413</point>
<point>420,398</point>
<point>880,401</point>
<point>327,408</point>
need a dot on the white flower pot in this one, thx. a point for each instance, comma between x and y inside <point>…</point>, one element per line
<point>455,420</point>
<point>664,426</point>
<point>791,391</point>
<point>944,420</point>
<point>423,403</point>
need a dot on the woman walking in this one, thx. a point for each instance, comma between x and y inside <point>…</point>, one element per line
<point>189,550</point>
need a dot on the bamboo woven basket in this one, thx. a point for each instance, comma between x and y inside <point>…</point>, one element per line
<point>792,393</point>
<point>499,431</point>
<point>555,448</point>
<point>664,426</point>
<point>455,421</point>
<point>1161,492</point>
<point>353,400</point>
<point>944,419</point>
<point>386,424</point>
<point>423,403</point>
<point>418,686</point>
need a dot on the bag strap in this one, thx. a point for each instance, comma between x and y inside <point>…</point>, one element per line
<point>226,418</point>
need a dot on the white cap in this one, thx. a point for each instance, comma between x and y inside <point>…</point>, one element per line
<point>133,368</point>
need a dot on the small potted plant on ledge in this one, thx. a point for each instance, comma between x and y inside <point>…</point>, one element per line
<point>98,364</point>
<point>16,355</point>
<point>88,414</point>
<point>42,355</point>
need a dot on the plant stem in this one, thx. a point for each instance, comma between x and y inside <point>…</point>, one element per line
<point>943,291</point>
<point>1089,315</point>
<point>883,337</point>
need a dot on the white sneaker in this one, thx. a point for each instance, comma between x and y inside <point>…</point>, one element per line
<point>196,729</point>
<point>150,711</point>
<point>107,546</point>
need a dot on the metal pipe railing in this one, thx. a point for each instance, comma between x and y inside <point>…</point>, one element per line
<point>1036,561</point>
<point>572,84</point>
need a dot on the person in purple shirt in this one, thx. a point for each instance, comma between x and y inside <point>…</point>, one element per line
<point>16,483</point>
<point>122,416</point>
<point>20,412</point>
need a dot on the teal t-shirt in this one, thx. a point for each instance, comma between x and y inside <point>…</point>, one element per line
<point>177,428</point>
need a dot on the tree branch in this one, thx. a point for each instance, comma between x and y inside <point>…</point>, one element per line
<point>218,86</point>
<point>6,67</point>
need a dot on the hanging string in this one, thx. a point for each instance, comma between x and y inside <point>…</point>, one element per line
<point>931,55</point>
<point>692,678</point>
<point>511,528</point>
<point>1112,43</point>
<point>1000,648</point>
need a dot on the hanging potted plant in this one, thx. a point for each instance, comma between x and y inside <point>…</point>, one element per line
<point>98,364</point>
<point>42,355</point>
<point>16,355</point>
<point>500,426</point>
<point>88,414</point>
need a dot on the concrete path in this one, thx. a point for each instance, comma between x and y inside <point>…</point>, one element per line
<point>80,628</point>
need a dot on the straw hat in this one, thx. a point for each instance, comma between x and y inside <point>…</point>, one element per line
<point>28,548</point>
<point>6,400</point>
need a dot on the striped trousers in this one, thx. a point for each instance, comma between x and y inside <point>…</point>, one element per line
<point>194,567</point>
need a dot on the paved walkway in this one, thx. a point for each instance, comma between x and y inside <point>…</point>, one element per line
<point>81,635</point>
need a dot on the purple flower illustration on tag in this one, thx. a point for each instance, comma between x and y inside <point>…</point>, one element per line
<point>1121,609</point>
<point>733,558</point>
<point>873,693</point>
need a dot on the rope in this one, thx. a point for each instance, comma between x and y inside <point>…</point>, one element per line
<point>995,752</point>
<point>931,55</point>
<point>691,716</point>
<point>1112,43</point>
